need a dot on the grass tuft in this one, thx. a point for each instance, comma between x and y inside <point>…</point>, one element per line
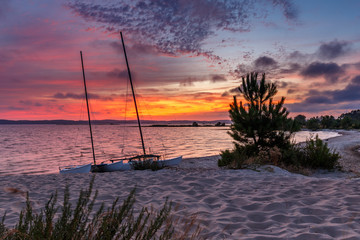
<point>117,222</point>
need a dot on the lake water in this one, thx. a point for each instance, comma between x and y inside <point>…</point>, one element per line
<point>41,149</point>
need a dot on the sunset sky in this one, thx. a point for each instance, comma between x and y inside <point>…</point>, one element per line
<point>186,56</point>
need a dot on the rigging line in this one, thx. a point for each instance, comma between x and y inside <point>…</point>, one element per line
<point>80,117</point>
<point>124,124</point>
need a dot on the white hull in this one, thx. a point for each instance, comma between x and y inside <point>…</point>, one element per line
<point>125,166</point>
<point>76,169</point>
<point>170,162</point>
<point>116,166</point>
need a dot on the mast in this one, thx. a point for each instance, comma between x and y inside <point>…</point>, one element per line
<point>133,93</point>
<point>88,111</point>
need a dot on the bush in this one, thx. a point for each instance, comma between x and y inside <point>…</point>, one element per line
<point>117,222</point>
<point>318,155</point>
<point>147,164</point>
<point>315,154</point>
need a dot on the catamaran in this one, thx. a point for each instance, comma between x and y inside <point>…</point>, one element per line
<point>122,164</point>
<point>127,163</point>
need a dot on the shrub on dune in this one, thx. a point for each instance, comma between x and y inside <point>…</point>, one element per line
<point>116,222</point>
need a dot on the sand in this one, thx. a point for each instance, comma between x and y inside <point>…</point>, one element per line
<point>229,204</point>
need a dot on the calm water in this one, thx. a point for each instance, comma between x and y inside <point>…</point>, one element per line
<point>41,149</point>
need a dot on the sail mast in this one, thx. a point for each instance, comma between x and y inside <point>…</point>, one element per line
<point>133,93</point>
<point>88,111</point>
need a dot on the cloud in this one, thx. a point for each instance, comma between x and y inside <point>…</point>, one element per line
<point>265,62</point>
<point>233,91</point>
<point>213,78</point>
<point>325,100</point>
<point>292,68</point>
<point>176,27</point>
<point>331,71</point>
<point>334,49</point>
<point>30,103</point>
<point>290,11</point>
<point>80,96</point>
<point>117,73</point>
<point>218,78</point>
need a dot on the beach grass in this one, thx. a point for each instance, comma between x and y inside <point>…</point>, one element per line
<point>120,221</point>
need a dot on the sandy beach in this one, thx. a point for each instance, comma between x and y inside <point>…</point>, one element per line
<point>229,204</point>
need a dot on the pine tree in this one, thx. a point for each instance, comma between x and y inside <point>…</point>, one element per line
<point>259,122</point>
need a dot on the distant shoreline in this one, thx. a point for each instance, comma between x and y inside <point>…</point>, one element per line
<point>177,123</point>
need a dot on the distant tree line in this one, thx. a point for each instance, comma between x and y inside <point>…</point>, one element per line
<point>350,120</point>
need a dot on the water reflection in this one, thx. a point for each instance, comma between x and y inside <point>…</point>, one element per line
<point>39,149</point>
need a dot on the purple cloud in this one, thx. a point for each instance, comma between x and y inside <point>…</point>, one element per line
<point>218,78</point>
<point>331,71</point>
<point>176,27</point>
<point>334,49</point>
<point>30,103</point>
<point>80,96</point>
<point>265,62</point>
<point>326,100</point>
<point>117,73</point>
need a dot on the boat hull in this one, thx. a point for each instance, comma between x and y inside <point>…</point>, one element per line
<point>112,167</point>
<point>125,166</point>
<point>170,162</point>
<point>76,169</point>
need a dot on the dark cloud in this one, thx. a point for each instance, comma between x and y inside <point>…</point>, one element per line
<point>331,71</point>
<point>350,93</point>
<point>297,56</point>
<point>325,100</point>
<point>117,73</point>
<point>334,49</point>
<point>189,81</point>
<point>30,103</point>
<point>241,70</point>
<point>291,90</point>
<point>318,99</point>
<point>16,108</point>
<point>281,84</point>
<point>80,96</point>
<point>176,27</point>
<point>290,11</point>
<point>292,68</point>
<point>218,78</point>
<point>233,91</point>
<point>265,62</point>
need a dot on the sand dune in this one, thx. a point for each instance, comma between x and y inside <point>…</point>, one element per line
<point>230,204</point>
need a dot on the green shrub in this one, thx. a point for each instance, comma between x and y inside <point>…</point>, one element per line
<point>318,155</point>
<point>117,222</point>
<point>315,154</point>
<point>147,164</point>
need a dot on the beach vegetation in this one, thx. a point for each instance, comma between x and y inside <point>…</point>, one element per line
<point>147,164</point>
<point>195,124</point>
<point>120,221</point>
<point>318,155</point>
<point>313,123</point>
<point>259,121</point>
<point>262,132</point>
<point>300,119</point>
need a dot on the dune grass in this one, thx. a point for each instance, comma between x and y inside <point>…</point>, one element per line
<point>120,221</point>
